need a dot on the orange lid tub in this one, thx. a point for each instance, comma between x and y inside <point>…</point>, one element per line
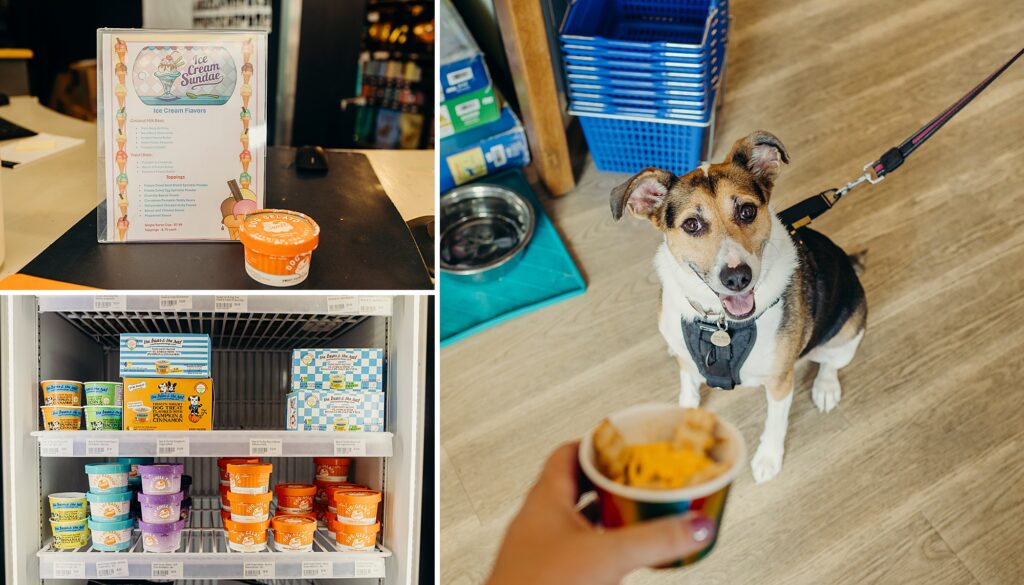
<point>279,245</point>
<point>293,533</point>
<point>357,506</point>
<point>356,536</point>
<point>332,468</point>
<point>295,497</point>
<point>246,536</point>
<point>223,463</point>
<point>323,488</point>
<point>249,478</point>
<point>225,504</point>
<point>250,507</point>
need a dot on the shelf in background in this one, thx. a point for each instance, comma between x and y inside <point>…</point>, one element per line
<point>240,443</point>
<point>204,554</point>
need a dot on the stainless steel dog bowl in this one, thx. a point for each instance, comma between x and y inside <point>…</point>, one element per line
<point>484,230</point>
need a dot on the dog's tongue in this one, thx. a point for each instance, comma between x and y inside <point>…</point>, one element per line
<point>739,305</point>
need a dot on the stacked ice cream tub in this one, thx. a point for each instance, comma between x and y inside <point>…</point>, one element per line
<point>643,78</point>
<point>245,502</point>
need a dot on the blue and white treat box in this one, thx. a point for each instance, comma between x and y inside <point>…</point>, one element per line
<point>335,410</point>
<point>338,369</point>
<point>462,68</point>
<point>147,355</point>
<point>483,150</point>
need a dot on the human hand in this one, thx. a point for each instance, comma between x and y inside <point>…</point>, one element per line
<point>551,543</point>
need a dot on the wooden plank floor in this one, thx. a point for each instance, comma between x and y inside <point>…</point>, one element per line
<point>918,476</point>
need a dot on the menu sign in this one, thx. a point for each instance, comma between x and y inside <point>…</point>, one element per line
<point>183,133</point>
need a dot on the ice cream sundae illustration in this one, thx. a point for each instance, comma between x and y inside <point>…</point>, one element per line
<point>167,72</point>
<point>236,207</point>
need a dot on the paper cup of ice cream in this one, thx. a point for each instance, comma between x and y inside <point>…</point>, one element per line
<point>650,424</point>
<point>67,507</point>
<point>104,393</point>
<point>70,534</point>
<point>102,418</point>
<point>61,392</point>
<point>278,245</point>
<point>163,366</point>
<point>110,506</point>
<point>111,536</point>
<point>62,418</point>
<point>141,413</point>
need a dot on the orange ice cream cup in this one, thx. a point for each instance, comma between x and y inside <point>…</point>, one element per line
<point>247,536</point>
<point>293,533</point>
<point>278,245</point>
<point>323,489</point>
<point>295,498</point>
<point>223,462</point>
<point>250,507</point>
<point>249,478</point>
<point>356,536</point>
<point>332,468</point>
<point>356,506</point>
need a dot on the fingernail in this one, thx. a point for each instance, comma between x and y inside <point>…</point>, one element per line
<point>702,529</point>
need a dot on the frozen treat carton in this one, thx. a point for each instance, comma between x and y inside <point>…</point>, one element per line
<point>338,369</point>
<point>335,410</point>
<point>184,355</point>
<point>168,404</point>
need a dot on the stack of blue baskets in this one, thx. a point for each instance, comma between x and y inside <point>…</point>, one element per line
<point>643,77</point>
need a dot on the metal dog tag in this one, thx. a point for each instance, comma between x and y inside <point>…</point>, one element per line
<point>721,338</point>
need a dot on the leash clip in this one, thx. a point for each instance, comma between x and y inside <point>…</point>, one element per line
<point>871,175</point>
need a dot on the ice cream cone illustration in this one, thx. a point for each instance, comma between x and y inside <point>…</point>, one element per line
<point>245,92</point>
<point>121,48</point>
<point>122,182</point>
<point>122,228</point>
<point>245,179</point>
<point>235,208</point>
<point>122,117</point>
<point>122,204</point>
<point>245,117</point>
<point>246,72</point>
<point>245,157</point>
<point>121,70</point>
<point>121,139</point>
<point>120,91</point>
<point>247,50</point>
<point>245,140</point>
<point>122,159</point>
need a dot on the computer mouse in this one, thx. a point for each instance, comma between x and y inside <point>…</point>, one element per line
<point>311,158</point>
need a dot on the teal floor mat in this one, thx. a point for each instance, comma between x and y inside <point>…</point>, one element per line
<point>545,275</point>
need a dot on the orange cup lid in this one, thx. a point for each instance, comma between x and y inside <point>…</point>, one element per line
<point>279,232</point>
<point>294,523</point>
<point>357,496</point>
<point>250,468</point>
<point>223,462</point>
<point>295,489</point>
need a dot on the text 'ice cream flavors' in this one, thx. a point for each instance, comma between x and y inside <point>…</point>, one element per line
<point>279,246</point>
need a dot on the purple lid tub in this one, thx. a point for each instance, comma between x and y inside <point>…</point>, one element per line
<point>160,508</point>
<point>161,478</point>
<point>161,537</point>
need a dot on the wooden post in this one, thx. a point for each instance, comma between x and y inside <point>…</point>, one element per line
<point>524,32</point>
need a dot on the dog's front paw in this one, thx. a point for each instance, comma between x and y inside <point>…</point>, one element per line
<point>826,392</point>
<point>767,463</point>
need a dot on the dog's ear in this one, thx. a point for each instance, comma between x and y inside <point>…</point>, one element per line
<point>643,194</point>
<point>762,154</point>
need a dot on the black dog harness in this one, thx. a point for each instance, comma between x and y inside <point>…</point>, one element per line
<point>720,348</point>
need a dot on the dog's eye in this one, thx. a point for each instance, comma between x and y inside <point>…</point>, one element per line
<point>747,212</point>
<point>691,225</point>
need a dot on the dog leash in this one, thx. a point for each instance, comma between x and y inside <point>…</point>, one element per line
<point>806,211</point>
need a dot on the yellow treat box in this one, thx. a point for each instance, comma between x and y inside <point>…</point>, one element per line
<point>168,404</point>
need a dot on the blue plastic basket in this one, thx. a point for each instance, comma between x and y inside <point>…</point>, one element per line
<point>622,145</point>
<point>683,104</point>
<point>646,25</point>
<point>612,91</point>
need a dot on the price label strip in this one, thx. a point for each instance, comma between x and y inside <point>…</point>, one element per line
<point>101,447</point>
<point>230,304</point>
<point>167,571</point>
<point>343,305</point>
<point>56,447</point>
<point>111,569</point>
<point>176,302</point>
<point>350,447</point>
<point>265,447</point>
<point>369,568</point>
<point>69,570</point>
<point>259,570</point>
<point>172,447</point>
<point>110,303</point>
<point>317,569</point>
<point>380,306</point>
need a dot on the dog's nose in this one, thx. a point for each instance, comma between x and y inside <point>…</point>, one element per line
<point>736,278</point>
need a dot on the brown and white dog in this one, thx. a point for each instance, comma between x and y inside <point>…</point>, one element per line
<point>727,259</point>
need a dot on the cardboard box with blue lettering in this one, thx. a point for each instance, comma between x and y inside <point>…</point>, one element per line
<point>338,369</point>
<point>483,150</point>
<point>462,68</point>
<point>335,410</point>
<point>183,355</point>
